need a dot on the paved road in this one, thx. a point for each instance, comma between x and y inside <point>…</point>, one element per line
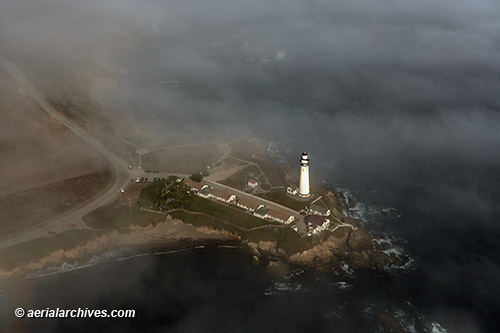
<point>120,167</point>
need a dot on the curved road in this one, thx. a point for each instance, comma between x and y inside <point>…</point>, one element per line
<point>121,171</point>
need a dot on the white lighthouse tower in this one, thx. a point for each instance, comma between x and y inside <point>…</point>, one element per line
<point>304,176</point>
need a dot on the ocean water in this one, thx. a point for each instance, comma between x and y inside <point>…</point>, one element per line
<point>447,225</point>
<point>451,285</point>
<point>204,290</point>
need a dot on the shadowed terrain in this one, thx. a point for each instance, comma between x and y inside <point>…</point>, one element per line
<point>46,169</point>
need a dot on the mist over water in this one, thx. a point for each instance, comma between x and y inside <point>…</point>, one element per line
<point>395,100</point>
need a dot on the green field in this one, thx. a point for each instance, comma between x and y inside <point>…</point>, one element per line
<point>254,151</point>
<point>280,196</point>
<point>235,161</point>
<point>239,180</point>
<point>38,248</point>
<point>109,217</point>
<point>204,221</point>
<point>226,213</point>
<point>286,239</point>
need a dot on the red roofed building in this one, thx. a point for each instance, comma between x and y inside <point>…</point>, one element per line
<point>252,183</point>
<point>280,216</point>
<point>292,189</point>
<point>318,210</point>
<point>194,186</point>
<point>222,195</point>
<point>317,224</point>
<point>248,204</point>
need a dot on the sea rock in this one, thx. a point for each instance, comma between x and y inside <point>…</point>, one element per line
<point>255,261</point>
<point>360,240</point>
<point>321,257</point>
<point>380,260</point>
<point>253,248</point>
<point>271,248</point>
<point>391,211</point>
<point>390,323</point>
<point>278,268</point>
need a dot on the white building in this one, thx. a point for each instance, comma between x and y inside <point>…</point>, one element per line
<point>248,204</point>
<point>318,210</point>
<point>194,186</point>
<point>261,212</point>
<point>304,190</point>
<point>316,224</point>
<point>252,183</point>
<point>205,192</point>
<point>222,195</point>
<point>292,189</point>
<point>280,216</point>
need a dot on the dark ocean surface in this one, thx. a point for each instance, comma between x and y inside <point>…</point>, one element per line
<point>452,283</point>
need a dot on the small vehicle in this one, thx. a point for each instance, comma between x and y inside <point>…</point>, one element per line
<point>138,179</point>
<point>122,189</point>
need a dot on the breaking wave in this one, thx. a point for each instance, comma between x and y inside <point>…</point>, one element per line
<point>280,287</point>
<point>120,255</point>
<point>342,285</point>
<point>406,316</point>
<point>370,217</point>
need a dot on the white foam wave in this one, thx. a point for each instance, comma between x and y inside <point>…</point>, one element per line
<point>383,241</point>
<point>437,328</point>
<point>295,273</point>
<point>280,287</point>
<point>407,323</point>
<point>406,317</point>
<point>230,247</point>
<point>66,267</point>
<point>337,313</point>
<point>120,255</point>
<point>347,270</point>
<point>342,285</point>
<point>395,251</point>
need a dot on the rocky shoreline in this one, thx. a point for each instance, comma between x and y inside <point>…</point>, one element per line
<point>169,235</point>
<point>342,251</point>
<point>332,254</point>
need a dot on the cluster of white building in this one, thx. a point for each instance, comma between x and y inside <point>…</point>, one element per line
<point>252,206</point>
<point>317,220</point>
<point>317,224</point>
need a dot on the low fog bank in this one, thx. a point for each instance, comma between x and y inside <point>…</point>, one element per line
<point>376,87</point>
<point>275,68</point>
<point>372,87</point>
<point>397,100</point>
